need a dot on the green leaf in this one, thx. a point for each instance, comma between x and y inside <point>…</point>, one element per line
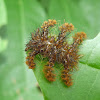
<point>86,81</point>
<point>3,44</point>
<point>91,49</point>
<point>16,81</point>
<point>3,18</point>
<point>83,14</point>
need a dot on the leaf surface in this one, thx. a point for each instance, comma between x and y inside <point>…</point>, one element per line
<point>16,81</point>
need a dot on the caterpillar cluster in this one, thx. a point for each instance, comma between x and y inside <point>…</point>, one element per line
<point>56,49</point>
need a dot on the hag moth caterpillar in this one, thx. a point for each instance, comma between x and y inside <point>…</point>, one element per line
<point>56,49</point>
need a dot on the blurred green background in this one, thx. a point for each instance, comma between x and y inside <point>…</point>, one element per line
<point>18,18</point>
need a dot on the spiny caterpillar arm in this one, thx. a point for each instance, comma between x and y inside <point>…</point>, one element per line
<point>78,38</point>
<point>66,77</point>
<point>46,25</point>
<point>49,71</point>
<point>65,28</point>
<point>30,60</point>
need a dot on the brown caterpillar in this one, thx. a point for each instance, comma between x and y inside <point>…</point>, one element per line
<point>56,49</point>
